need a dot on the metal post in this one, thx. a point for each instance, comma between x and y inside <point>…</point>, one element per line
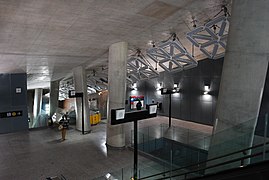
<point>135,150</point>
<point>148,134</point>
<point>161,130</point>
<point>198,161</point>
<point>170,97</point>
<point>192,50</point>
<point>204,144</point>
<point>171,161</point>
<point>188,136</point>
<point>143,139</point>
<point>163,169</point>
<point>173,133</point>
<point>82,113</point>
<point>122,173</point>
<point>265,135</point>
<point>131,139</point>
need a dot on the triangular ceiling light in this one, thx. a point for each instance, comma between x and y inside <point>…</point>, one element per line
<point>172,56</point>
<point>212,37</point>
<point>138,69</point>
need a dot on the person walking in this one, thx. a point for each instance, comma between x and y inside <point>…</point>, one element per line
<point>64,122</point>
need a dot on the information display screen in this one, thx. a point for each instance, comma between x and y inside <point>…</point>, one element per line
<point>135,99</point>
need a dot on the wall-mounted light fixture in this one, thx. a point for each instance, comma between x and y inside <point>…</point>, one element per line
<point>159,86</point>
<point>134,86</point>
<point>206,88</point>
<point>176,88</point>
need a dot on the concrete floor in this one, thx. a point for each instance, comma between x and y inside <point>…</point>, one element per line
<point>38,154</point>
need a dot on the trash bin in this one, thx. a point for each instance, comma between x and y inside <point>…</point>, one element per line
<point>95,118</point>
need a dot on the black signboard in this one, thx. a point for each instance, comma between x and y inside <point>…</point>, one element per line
<point>119,116</point>
<point>73,94</point>
<point>10,114</point>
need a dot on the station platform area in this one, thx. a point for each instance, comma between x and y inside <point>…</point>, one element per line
<point>38,154</point>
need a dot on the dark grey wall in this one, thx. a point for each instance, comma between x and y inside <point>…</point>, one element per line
<point>191,103</point>
<point>12,101</point>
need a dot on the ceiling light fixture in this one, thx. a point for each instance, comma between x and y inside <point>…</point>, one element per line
<point>139,68</point>
<point>210,40</point>
<point>159,86</point>
<point>171,55</point>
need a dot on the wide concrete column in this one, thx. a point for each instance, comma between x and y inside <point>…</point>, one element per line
<point>54,96</point>
<point>80,81</point>
<point>116,91</point>
<point>37,106</point>
<point>243,77</point>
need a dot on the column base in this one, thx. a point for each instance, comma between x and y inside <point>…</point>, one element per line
<point>115,148</point>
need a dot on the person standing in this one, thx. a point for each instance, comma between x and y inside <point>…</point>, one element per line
<point>64,122</point>
<point>138,105</point>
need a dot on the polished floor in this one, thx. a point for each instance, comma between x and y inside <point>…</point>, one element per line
<point>38,154</point>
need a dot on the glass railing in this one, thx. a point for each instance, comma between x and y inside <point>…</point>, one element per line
<point>169,148</point>
<point>231,148</point>
<point>186,136</point>
<point>179,153</point>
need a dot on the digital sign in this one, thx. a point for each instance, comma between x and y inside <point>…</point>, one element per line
<point>135,99</point>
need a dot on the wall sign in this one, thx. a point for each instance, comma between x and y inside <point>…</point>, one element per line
<point>74,94</point>
<point>10,114</point>
<point>18,90</point>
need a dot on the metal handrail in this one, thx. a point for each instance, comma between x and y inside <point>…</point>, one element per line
<point>213,166</point>
<point>212,159</point>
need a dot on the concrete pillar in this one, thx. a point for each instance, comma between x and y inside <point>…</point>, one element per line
<point>80,81</point>
<point>54,96</point>
<point>30,106</point>
<point>116,91</point>
<point>37,106</point>
<point>243,77</point>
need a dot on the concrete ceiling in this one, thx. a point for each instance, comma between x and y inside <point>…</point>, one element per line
<point>46,39</point>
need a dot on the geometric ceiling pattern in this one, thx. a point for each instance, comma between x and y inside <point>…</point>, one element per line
<point>138,68</point>
<point>97,81</point>
<point>172,56</point>
<point>169,55</point>
<point>47,39</point>
<point>211,38</point>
